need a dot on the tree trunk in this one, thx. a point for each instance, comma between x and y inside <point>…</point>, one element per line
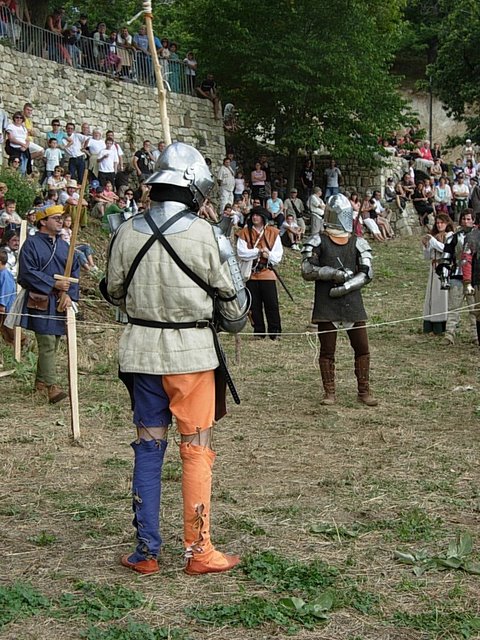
<point>39,10</point>
<point>292,167</point>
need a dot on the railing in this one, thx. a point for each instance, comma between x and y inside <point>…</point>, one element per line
<point>106,58</point>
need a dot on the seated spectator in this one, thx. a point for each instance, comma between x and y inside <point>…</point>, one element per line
<point>381,216</point>
<point>457,168</point>
<point>31,221</point>
<point>3,191</point>
<point>470,170</point>
<point>437,170</point>
<point>8,290</point>
<point>122,180</point>
<point>280,184</point>
<point>9,218</point>
<point>405,188</point>
<point>424,161</point>
<point>190,72</point>
<point>130,204</point>
<point>367,213</point>
<point>276,209</point>
<point>208,90</point>
<point>104,197</point>
<point>290,233</point>
<point>230,122</point>
<point>19,145</point>
<point>237,216</point>
<point>56,180</point>
<point>69,200</point>
<point>294,206</point>
<point>14,163</point>
<point>84,251</point>
<point>207,211</point>
<point>245,203</point>
<point>421,203</point>
<point>10,244</point>
<point>357,218</point>
<point>316,206</point>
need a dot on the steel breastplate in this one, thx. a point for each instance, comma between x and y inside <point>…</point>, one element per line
<point>161,212</point>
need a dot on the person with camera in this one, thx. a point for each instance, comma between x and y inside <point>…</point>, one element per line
<point>259,250</point>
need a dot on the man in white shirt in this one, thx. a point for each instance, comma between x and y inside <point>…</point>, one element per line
<point>159,150</point>
<point>107,163</point>
<point>332,175</point>
<point>294,206</point>
<point>226,183</point>
<point>120,154</point>
<point>73,145</point>
<point>461,193</point>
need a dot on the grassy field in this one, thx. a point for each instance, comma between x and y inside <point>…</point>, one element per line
<point>318,500</point>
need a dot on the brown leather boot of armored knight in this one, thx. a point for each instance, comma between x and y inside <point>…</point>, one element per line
<point>327,370</point>
<point>362,372</point>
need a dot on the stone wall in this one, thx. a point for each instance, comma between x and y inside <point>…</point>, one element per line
<point>132,111</point>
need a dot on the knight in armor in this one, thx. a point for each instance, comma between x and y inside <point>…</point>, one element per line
<point>450,271</point>
<point>340,264</point>
<point>168,269</point>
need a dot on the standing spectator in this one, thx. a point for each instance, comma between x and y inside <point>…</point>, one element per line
<point>435,307</point>
<point>258,177</point>
<point>7,296</point>
<point>332,176</point>
<point>71,39</point>
<point>450,268</point>
<point>112,62</point>
<point>107,164</point>
<point>143,58</point>
<point>54,39</point>
<point>239,184</point>
<point>295,206</point>
<point>316,207</point>
<point>94,147</point>
<point>443,197</point>
<point>3,128</point>
<point>226,183</point>
<point>125,51</point>
<point>280,184</point>
<point>260,246</point>
<point>461,193</point>
<point>475,200</point>
<point>190,72</point>
<point>73,150</point>
<point>265,165</point>
<point>53,158</point>
<point>468,151</point>
<point>100,48</point>
<point>42,257</point>
<point>85,42</point>
<point>56,133</point>
<point>120,154</point>
<point>208,90</point>
<point>307,178</point>
<point>159,150</point>
<point>143,160</point>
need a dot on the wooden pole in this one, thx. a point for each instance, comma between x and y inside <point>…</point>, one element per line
<point>162,94</point>
<point>17,331</point>
<point>71,324</point>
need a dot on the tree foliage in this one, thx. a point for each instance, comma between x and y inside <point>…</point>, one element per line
<point>456,71</point>
<point>303,72</point>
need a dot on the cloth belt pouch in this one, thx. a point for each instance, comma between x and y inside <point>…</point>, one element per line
<point>37,301</point>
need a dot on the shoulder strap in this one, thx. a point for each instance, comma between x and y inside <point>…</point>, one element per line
<point>148,244</point>
<point>157,235</point>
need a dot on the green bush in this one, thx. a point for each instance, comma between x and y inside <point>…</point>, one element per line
<point>19,188</point>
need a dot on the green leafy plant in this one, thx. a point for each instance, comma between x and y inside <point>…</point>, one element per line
<point>456,557</point>
<point>43,539</point>
<point>21,189</point>
<point>20,601</point>
<point>335,531</point>
<point>134,631</point>
<point>441,624</point>
<point>100,602</point>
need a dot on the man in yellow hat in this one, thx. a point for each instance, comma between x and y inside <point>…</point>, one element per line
<point>43,256</point>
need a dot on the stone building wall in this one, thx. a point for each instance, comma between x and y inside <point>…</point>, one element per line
<point>132,111</point>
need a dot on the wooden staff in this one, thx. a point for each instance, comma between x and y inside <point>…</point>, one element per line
<point>17,331</point>
<point>71,324</point>
<point>162,94</point>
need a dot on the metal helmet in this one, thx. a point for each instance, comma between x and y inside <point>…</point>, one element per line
<point>183,166</point>
<point>339,213</point>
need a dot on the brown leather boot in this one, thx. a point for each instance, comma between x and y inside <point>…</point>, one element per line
<point>55,394</point>
<point>327,370</point>
<point>362,371</point>
<point>41,387</point>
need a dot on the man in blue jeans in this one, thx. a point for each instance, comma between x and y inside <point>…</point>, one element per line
<point>332,175</point>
